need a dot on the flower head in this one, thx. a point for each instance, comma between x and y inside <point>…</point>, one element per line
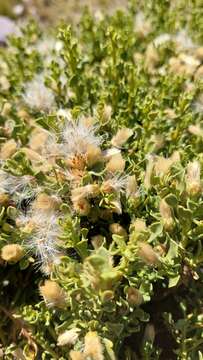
<point>53,294</point>
<point>196,130</point>
<point>80,145</point>
<point>117,229</point>
<point>12,252</point>
<point>93,347</point>
<point>14,184</point>
<point>116,183</point>
<point>43,240</point>
<point>78,136</point>
<point>8,149</point>
<point>134,296</point>
<point>147,254</point>
<point>193,182</point>
<point>68,337</point>
<point>116,164</point>
<point>121,137</point>
<point>166,215</point>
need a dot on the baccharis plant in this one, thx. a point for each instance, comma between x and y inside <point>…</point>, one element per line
<point>101,193</point>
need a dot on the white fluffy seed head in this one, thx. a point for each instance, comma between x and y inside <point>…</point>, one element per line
<point>77,137</point>
<point>38,96</point>
<point>14,184</point>
<point>43,241</point>
<point>116,183</point>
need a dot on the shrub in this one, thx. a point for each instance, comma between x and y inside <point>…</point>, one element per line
<point>100,189</point>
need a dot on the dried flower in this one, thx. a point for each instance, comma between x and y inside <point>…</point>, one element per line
<point>121,137</point>
<point>132,190</point>
<point>116,164</point>
<point>117,229</point>
<point>53,294</point>
<point>170,113</point>
<point>14,184</point>
<point>138,225</point>
<point>43,241</point>
<point>107,154</point>
<point>183,64</point>
<point>8,149</point>
<point>196,130</point>
<point>116,183</point>
<point>38,139</point>
<point>32,155</point>
<point>163,165</point>
<point>149,333</point>
<point>93,155</point>
<point>38,96</point>
<point>97,241</point>
<point>12,252</point>
<point>193,182</point>
<point>116,206</point>
<point>199,73</point>
<point>68,337</point>
<point>81,206</point>
<point>78,142</point>
<point>4,199</point>
<point>198,53</point>
<point>134,296</point>
<point>147,254</point>
<point>93,347</point>
<point>166,215</point>
<point>189,61</point>
<point>6,109</point>
<point>46,203</point>
<point>83,192</point>
<point>76,355</point>
<point>105,115</point>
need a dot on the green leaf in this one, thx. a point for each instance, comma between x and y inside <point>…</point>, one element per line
<point>24,263</point>
<point>171,200</point>
<point>156,230</point>
<point>173,250</point>
<point>82,249</point>
<point>185,215</point>
<point>120,242</point>
<point>173,281</point>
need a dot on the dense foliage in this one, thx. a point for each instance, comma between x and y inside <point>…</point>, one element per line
<point>101,205</point>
